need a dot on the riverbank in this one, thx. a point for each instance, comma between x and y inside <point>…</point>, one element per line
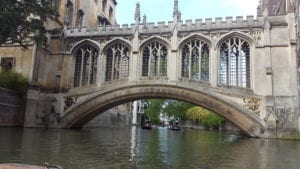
<point>19,166</point>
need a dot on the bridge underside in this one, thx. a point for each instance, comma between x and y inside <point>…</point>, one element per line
<point>87,109</point>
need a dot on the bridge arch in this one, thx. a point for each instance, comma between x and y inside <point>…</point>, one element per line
<point>81,113</point>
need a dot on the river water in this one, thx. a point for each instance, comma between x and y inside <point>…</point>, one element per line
<point>134,148</point>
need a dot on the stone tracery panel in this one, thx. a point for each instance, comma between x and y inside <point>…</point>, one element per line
<point>195,60</point>
<point>234,63</point>
<point>117,62</point>
<point>85,66</point>
<point>155,60</point>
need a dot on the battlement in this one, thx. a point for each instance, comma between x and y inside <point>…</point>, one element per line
<point>162,27</point>
<point>219,23</point>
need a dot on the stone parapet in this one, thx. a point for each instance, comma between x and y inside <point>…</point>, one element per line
<point>162,27</point>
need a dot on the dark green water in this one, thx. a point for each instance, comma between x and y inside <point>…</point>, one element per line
<point>145,149</point>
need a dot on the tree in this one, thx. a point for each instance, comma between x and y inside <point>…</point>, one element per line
<point>171,108</point>
<point>206,117</point>
<point>212,121</point>
<point>23,19</point>
<point>196,114</point>
<point>176,108</point>
<point>153,110</point>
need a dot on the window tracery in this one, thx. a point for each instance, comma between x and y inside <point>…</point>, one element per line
<point>117,62</point>
<point>155,59</point>
<point>85,66</point>
<point>234,64</point>
<point>195,60</point>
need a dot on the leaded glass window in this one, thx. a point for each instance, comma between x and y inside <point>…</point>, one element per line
<point>155,60</point>
<point>234,64</point>
<point>85,66</point>
<point>117,62</point>
<point>195,60</point>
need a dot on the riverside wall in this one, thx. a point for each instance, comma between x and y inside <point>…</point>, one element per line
<point>11,108</point>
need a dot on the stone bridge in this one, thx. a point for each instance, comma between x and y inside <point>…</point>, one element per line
<point>242,69</point>
<point>88,104</point>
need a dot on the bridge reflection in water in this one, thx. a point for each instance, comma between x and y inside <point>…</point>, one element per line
<point>135,148</point>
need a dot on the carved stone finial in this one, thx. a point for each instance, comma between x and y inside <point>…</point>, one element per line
<point>144,20</point>
<point>179,16</point>
<point>175,11</point>
<point>137,15</point>
<point>260,8</point>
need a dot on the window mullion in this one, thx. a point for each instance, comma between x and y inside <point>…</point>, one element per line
<point>200,60</point>
<point>149,61</point>
<point>81,68</point>
<point>229,65</point>
<point>113,64</point>
<point>158,60</point>
<point>239,66</point>
<point>190,62</point>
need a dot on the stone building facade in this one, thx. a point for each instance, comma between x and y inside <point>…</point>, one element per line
<point>297,6</point>
<point>248,61</point>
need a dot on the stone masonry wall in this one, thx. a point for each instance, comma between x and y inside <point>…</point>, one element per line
<point>11,108</point>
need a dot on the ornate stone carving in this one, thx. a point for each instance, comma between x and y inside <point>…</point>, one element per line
<point>70,46</point>
<point>252,104</point>
<point>214,37</point>
<point>255,35</point>
<point>69,101</point>
<point>280,113</point>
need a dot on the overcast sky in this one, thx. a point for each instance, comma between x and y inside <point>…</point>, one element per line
<point>161,10</point>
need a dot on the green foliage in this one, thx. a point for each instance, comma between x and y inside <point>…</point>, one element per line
<point>153,109</point>
<point>172,108</point>
<point>176,108</point>
<point>18,22</point>
<point>205,117</point>
<point>196,114</point>
<point>14,81</point>
<point>212,121</point>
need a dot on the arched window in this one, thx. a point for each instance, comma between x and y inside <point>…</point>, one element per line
<point>79,18</point>
<point>69,13</point>
<point>117,62</point>
<point>195,60</point>
<point>104,2</point>
<point>85,66</point>
<point>155,59</point>
<point>234,63</point>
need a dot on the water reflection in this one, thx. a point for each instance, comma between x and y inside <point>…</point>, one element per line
<point>136,148</point>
